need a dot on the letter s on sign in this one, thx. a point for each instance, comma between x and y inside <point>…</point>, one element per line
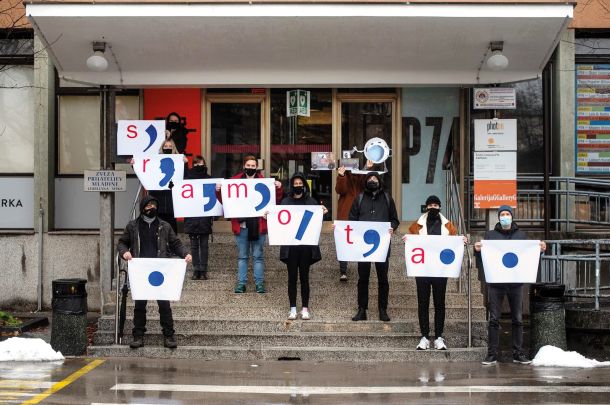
<point>131,129</point>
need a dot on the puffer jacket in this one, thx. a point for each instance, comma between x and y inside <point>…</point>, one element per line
<point>167,241</point>
<point>376,207</point>
<point>306,199</point>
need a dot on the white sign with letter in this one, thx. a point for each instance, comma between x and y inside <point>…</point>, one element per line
<point>156,171</point>
<point>140,137</point>
<point>362,241</point>
<point>434,255</point>
<point>294,224</point>
<point>156,279</point>
<point>196,198</point>
<point>246,198</point>
<point>495,135</point>
<point>510,261</point>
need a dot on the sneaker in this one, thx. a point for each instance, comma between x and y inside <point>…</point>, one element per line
<point>343,277</point>
<point>305,314</point>
<point>138,341</point>
<point>240,288</point>
<point>292,315</point>
<point>521,358</point>
<point>170,342</point>
<point>439,344</point>
<point>424,344</point>
<point>489,360</point>
<point>260,288</point>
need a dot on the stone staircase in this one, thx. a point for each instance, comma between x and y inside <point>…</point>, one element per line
<point>212,322</point>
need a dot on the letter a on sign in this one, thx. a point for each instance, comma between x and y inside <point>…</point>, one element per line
<point>196,198</point>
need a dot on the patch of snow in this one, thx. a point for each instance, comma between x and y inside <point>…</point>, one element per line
<point>551,356</point>
<point>22,349</point>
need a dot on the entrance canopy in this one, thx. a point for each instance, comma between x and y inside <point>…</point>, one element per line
<point>312,44</point>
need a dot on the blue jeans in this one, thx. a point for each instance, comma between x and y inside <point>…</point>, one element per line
<point>245,249</point>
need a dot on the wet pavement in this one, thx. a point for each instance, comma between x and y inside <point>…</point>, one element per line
<point>154,381</point>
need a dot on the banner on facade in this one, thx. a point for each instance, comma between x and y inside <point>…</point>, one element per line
<point>495,135</point>
<point>434,255</point>
<point>362,241</point>
<point>495,179</point>
<point>155,172</point>
<point>510,261</point>
<point>294,224</point>
<point>246,198</point>
<point>196,198</point>
<point>140,137</point>
<point>156,279</point>
<point>496,98</point>
<point>592,119</point>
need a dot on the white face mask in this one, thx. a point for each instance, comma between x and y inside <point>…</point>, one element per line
<point>506,221</point>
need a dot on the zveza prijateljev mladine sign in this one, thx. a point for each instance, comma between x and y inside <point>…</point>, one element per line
<point>593,118</point>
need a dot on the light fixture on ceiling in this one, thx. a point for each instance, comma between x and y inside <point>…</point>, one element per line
<point>97,62</point>
<point>497,61</point>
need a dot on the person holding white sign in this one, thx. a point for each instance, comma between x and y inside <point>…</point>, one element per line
<point>376,205</point>
<point>250,233</point>
<point>299,258</point>
<point>199,228</point>
<point>149,236</point>
<point>432,223</point>
<point>505,229</point>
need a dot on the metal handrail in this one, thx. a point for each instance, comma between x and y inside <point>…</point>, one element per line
<point>454,197</point>
<point>120,269</point>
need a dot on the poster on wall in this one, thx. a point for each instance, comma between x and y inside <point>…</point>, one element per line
<point>495,179</point>
<point>429,118</point>
<point>593,119</point>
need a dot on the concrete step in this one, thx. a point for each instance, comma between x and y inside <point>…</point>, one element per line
<point>322,314</point>
<point>186,325</point>
<point>321,299</point>
<point>309,353</point>
<point>288,339</point>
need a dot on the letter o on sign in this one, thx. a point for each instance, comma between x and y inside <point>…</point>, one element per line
<point>279,217</point>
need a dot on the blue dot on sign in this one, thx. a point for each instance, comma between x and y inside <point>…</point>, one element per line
<point>447,256</point>
<point>510,260</point>
<point>155,278</point>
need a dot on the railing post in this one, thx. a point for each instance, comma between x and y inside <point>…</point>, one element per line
<point>597,275</point>
<point>116,308</point>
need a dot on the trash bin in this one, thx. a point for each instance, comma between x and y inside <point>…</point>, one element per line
<point>547,316</point>
<point>69,325</point>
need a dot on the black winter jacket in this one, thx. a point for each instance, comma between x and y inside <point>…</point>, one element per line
<point>305,199</point>
<point>167,241</point>
<point>201,225</point>
<point>374,206</point>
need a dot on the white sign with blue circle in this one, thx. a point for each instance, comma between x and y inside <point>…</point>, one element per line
<point>156,279</point>
<point>434,255</point>
<point>510,261</point>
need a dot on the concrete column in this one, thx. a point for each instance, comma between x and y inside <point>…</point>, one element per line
<point>564,107</point>
<point>44,137</point>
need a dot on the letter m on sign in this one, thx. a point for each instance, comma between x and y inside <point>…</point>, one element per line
<point>237,187</point>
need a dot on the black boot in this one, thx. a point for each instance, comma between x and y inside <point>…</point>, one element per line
<point>360,316</point>
<point>196,273</point>
<point>204,275</point>
<point>383,315</point>
<point>170,342</point>
<point>138,341</point>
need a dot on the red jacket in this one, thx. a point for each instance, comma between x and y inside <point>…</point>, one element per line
<point>262,222</point>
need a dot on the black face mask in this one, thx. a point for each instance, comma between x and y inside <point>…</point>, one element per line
<point>173,125</point>
<point>200,168</point>
<point>167,151</point>
<point>372,185</point>
<point>250,172</point>
<point>298,190</point>
<point>150,213</point>
<point>433,212</point>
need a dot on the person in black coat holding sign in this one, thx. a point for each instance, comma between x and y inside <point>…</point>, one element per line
<point>199,228</point>
<point>374,204</point>
<point>299,258</point>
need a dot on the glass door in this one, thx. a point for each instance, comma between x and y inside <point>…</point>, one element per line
<point>364,117</point>
<point>235,129</point>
